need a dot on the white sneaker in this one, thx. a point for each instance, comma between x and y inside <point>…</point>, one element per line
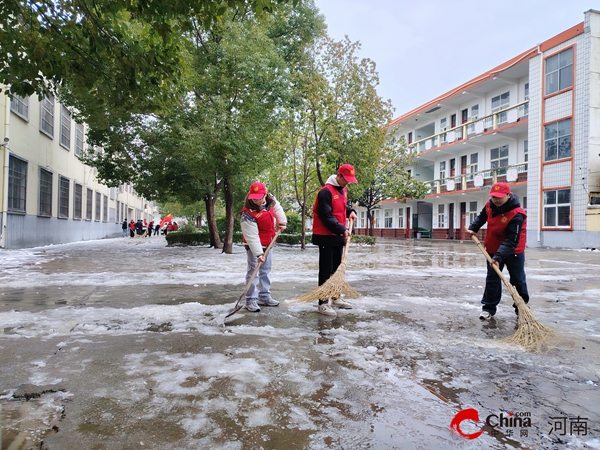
<point>267,302</point>
<point>327,310</point>
<point>252,306</point>
<point>340,303</point>
<point>485,315</point>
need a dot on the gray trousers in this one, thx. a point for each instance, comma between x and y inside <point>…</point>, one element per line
<point>263,277</point>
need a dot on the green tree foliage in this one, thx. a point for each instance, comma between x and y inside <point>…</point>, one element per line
<point>391,180</point>
<point>334,117</point>
<point>214,138</point>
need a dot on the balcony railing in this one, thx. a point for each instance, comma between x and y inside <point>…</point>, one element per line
<point>509,174</point>
<point>472,128</point>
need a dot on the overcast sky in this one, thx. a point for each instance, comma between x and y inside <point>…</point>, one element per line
<point>424,49</point>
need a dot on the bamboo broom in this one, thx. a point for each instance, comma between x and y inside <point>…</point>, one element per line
<point>530,333</point>
<point>335,286</point>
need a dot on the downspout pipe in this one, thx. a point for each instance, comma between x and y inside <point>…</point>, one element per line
<point>4,189</point>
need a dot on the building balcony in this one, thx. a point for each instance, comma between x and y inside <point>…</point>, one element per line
<point>510,120</point>
<point>515,173</point>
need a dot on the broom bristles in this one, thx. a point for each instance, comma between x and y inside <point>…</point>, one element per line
<point>530,334</point>
<point>334,287</point>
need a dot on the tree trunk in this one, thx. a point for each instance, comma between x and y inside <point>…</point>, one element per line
<point>229,212</point>
<point>370,221</point>
<point>303,230</point>
<point>211,221</point>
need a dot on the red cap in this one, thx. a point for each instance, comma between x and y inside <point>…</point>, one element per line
<point>257,190</point>
<point>500,190</point>
<point>348,172</point>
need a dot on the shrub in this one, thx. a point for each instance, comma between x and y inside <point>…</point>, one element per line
<point>198,237</point>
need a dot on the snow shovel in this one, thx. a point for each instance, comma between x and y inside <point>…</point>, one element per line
<point>242,300</point>
<point>336,285</point>
<point>530,333</point>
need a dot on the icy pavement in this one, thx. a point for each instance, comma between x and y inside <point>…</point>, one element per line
<point>116,344</point>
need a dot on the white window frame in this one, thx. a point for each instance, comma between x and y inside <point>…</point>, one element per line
<point>441,215</point>
<point>400,217</point>
<point>77,201</point>
<point>79,139</point>
<point>20,106</point>
<point>555,206</point>
<point>388,218</point>
<point>45,193</point>
<point>64,191</point>
<point>502,101</point>
<point>65,127</point>
<point>501,160</point>
<point>472,212</point>
<point>47,116</point>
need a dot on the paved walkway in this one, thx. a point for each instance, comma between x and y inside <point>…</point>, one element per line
<point>117,344</point>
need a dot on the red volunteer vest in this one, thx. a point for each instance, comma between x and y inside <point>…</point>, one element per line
<point>265,220</point>
<point>338,209</point>
<point>497,225</point>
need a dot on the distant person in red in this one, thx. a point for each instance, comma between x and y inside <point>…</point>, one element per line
<point>131,228</point>
<point>175,226</point>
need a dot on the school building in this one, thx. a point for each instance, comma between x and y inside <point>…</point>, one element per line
<point>47,195</point>
<point>533,122</point>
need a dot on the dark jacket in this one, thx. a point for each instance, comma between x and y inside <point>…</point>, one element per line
<point>324,200</point>
<point>513,228</point>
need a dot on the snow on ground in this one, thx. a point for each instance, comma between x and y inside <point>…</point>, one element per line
<point>390,373</point>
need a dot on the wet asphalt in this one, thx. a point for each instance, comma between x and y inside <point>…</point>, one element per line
<point>122,344</point>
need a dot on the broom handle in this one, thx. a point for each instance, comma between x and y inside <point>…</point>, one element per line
<point>509,286</point>
<point>345,256</point>
<point>258,265</point>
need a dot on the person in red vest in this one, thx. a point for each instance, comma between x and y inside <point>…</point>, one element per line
<point>132,228</point>
<point>260,214</point>
<point>505,242</point>
<point>329,230</point>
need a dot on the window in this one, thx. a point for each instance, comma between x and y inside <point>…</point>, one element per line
<point>526,91</point>
<point>557,208</point>
<point>65,127</point>
<point>526,152</point>
<point>499,103</point>
<point>105,209</point>
<point>113,193</point>
<point>473,166</point>
<point>362,219</point>
<point>79,139</point>
<point>557,140</point>
<point>441,216</point>
<point>559,72</point>
<point>45,205</point>
<point>443,171</point>
<point>401,218</point>
<point>473,212</point>
<point>410,137</point>
<point>89,198</point>
<point>98,205</point>
<point>388,216</point>
<point>376,219</point>
<point>443,124</point>
<point>499,158</point>
<point>474,112</point>
<point>77,201</point>
<point>20,106</point>
<point>17,184</point>
<point>47,116</point>
<point>63,197</point>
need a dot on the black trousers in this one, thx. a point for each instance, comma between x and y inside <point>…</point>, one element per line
<point>329,260</point>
